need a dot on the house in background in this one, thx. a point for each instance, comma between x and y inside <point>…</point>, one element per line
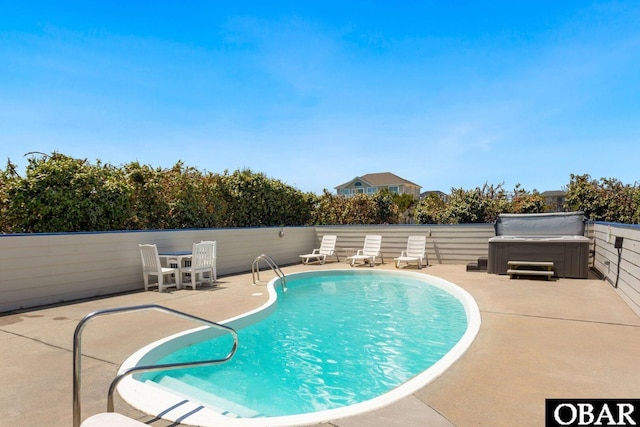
<point>554,200</point>
<point>374,182</point>
<point>444,197</point>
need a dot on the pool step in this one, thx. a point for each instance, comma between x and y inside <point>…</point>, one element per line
<point>213,401</point>
<point>110,419</point>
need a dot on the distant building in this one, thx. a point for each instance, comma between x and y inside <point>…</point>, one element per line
<point>444,197</point>
<point>374,182</point>
<point>554,200</point>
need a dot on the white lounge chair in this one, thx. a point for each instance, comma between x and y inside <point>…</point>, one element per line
<point>327,248</point>
<point>415,252</point>
<point>151,267</point>
<point>369,252</point>
<point>202,261</point>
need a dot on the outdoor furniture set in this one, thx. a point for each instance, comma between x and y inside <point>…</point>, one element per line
<point>196,266</point>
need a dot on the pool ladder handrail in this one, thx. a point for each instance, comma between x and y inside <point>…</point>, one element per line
<point>77,353</point>
<point>255,268</point>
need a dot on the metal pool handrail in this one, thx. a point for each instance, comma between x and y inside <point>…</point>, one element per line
<point>255,267</point>
<point>77,353</point>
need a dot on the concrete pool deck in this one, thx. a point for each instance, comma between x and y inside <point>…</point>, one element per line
<point>567,338</point>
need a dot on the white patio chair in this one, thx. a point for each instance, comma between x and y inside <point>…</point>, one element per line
<point>215,257</point>
<point>151,267</point>
<point>202,261</point>
<point>415,252</point>
<point>327,248</point>
<point>369,251</point>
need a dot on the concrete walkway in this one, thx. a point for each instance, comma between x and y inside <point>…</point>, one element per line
<point>539,339</point>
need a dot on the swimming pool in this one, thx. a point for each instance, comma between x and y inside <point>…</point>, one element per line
<point>337,343</point>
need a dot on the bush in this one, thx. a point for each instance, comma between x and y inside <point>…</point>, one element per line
<point>359,209</point>
<point>605,200</point>
<point>252,199</point>
<point>481,205</point>
<point>61,193</point>
<point>431,210</point>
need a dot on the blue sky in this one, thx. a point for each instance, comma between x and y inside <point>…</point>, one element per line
<point>444,94</point>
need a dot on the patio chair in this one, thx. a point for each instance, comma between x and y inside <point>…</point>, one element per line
<point>215,257</point>
<point>202,261</point>
<point>151,267</point>
<point>327,248</point>
<point>415,252</point>
<point>369,251</point>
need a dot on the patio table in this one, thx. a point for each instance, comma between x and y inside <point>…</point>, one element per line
<point>176,259</point>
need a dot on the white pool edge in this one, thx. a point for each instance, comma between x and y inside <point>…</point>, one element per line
<point>154,401</point>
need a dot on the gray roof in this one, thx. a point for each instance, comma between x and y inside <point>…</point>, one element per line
<point>376,179</point>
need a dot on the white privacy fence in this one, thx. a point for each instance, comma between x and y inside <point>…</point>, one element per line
<point>42,269</point>
<point>616,249</point>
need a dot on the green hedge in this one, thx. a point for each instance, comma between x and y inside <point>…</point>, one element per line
<point>62,194</point>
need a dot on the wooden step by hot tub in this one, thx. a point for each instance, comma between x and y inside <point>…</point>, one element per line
<point>530,268</point>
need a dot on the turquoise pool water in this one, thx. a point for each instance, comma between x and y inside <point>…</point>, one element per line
<point>334,340</point>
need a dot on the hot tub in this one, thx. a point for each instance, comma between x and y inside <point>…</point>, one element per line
<point>555,237</point>
<point>569,254</point>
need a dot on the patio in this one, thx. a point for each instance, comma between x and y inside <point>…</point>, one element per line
<point>566,338</point>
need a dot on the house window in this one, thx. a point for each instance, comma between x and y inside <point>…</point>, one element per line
<point>345,191</point>
<point>394,189</point>
<point>371,190</point>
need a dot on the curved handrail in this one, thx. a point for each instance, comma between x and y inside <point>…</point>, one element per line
<point>255,267</point>
<point>77,352</point>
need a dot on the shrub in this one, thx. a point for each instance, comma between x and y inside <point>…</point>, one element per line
<point>604,200</point>
<point>60,193</point>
